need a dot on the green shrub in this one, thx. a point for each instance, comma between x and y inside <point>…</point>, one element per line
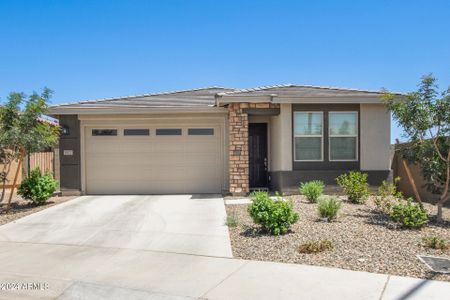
<point>312,190</point>
<point>329,207</point>
<point>410,215</point>
<point>387,196</point>
<point>316,246</point>
<point>275,216</point>
<point>36,187</point>
<point>355,186</point>
<point>435,242</point>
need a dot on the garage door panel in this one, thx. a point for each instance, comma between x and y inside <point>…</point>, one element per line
<point>121,146</point>
<point>105,169</point>
<point>124,154</point>
<point>201,156</point>
<point>157,187</point>
<point>154,164</point>
<point>150,176</point>
<point>203,147</point>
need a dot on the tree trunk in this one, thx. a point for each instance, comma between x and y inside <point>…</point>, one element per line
<point>445,194</point>
<point>6,169</point>
<point>440,204</point>
<point>19,167</point>
<point>4,180</point>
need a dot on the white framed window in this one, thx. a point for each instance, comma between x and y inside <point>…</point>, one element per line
<point>343,135</point>
<point>308,136</point>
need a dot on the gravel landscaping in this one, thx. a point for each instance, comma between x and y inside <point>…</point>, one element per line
<point>21,208</point>
<point>363,239</point>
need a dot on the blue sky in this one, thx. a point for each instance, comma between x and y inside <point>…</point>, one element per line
<point>96,49</point>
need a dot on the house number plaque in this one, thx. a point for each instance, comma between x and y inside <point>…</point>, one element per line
<point>68,152</point>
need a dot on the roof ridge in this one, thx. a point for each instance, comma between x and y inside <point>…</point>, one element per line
<point>262,88</point>
<point>325,87</point>
<point>141,95</point>
<point>258,88</point>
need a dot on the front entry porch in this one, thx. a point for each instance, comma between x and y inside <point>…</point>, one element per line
<point>249,146</point>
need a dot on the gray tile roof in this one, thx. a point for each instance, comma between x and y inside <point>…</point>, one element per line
<point>294,90</point>
<point>205,97</point>
<point>185,98</point>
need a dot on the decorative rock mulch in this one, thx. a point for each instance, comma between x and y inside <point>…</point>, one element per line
<point>21,208</point>
<point>363,239</point>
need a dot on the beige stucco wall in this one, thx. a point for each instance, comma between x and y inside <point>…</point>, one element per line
<point>281,139</point>
<point>375,137</point>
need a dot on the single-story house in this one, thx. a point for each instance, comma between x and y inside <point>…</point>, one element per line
<point>222,140</point>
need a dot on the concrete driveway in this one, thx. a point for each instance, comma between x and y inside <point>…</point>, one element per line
<point>163,248</point>
<point>177,223</point>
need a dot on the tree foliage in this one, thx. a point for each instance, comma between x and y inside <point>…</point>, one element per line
<point>424,116</point>
<point>22,131</point>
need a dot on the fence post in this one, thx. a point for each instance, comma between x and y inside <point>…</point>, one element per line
<point>26,165</point>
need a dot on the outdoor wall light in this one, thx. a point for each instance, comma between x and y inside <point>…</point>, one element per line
<point>65,130</point>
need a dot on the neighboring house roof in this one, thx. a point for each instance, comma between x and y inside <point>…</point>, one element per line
<point>51,121</point>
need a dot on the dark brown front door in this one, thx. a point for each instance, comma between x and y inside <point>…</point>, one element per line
<point>257,150</point>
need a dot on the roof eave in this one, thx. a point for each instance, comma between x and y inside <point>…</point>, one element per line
<point>368,99</point>
<point>59,110</point>
<point>226,99</point>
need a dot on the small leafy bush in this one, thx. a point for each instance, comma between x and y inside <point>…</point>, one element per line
<point>231,221</point>
<point>329,207</point>
<point>355,186</point>
<point>316,246</point>
<point>36,187</point>
<point>387,196</point>
<point>312,190</point>
<point>274,216</point>
<point>435,242</point>
<point>410,215</point>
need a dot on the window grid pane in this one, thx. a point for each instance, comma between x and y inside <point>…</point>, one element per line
<point>343,148</point>
<point>104,132</point>
<point>201,131</point>
<point>132,132</point>
<point>308,123</point>
<point>168,131</point>
<point>308,148</point>
<point>343,123</point>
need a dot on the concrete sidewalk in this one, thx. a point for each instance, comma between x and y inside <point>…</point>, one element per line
<point>86,272</point>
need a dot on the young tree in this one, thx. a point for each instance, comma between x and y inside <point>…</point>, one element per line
<point>6,159</point>
<point>425,118</point>
<point>23,132</point>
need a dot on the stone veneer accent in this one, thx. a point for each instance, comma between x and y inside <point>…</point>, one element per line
<point>238,145</point>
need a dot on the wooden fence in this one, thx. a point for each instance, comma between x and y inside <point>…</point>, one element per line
<point>43,160</point>
<point>411,180</point>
